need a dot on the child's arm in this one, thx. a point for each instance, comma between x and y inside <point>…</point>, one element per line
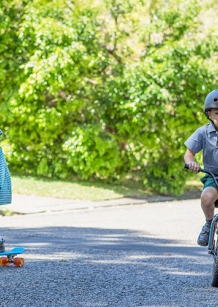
<point>189,159</point>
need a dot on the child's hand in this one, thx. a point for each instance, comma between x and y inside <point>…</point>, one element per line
<point>194,167</point>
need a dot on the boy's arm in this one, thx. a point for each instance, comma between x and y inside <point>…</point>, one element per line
<point>189,159</point>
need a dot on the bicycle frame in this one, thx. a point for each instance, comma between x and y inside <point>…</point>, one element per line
<point>213,227</point>
<point>212,242</point>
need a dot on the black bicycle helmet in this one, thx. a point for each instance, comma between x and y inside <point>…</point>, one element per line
<point>211,102</point>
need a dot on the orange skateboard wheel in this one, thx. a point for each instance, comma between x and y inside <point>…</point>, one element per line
<point>4,261</point>
<point>18,262</point>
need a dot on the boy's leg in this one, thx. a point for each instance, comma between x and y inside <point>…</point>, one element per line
<point>208,198</point>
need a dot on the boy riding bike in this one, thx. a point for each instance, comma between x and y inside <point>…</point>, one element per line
<point>205,138</point>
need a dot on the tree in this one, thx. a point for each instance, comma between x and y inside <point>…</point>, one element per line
<point>105,88</point>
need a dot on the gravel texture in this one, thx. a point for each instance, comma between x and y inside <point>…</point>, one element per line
<point>129,256</point>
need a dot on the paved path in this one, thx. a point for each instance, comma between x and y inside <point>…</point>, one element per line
<point>116,256</point>
<point>33,204</point>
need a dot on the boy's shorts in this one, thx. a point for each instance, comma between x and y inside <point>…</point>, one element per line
<point>207,180</point>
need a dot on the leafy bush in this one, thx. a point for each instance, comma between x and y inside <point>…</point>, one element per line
<point>100,88</point>
<point>92,152</point>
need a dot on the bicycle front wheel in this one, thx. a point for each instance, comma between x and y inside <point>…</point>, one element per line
<point>214,282</point>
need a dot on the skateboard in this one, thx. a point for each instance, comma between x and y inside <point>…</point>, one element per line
<point>9,256</point>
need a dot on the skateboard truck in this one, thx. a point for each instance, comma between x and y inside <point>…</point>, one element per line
<point>8,257</point>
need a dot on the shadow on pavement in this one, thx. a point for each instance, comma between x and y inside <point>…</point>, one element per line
<point>107,267</point>
<point>68,238</point>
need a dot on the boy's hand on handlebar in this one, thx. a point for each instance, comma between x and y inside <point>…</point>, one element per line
<point>194,167</point>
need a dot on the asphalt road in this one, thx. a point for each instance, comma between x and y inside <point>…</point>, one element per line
<point>127,256</point>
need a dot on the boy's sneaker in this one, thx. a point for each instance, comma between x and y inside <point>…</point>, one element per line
<point>203,237</point>
<point>2,246</point>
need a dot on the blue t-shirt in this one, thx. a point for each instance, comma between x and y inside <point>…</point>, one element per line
<point>205,138</point>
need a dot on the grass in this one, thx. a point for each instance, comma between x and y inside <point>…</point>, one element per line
<point>89,191</point>
<point>74,189</point>
<point>194,182</point>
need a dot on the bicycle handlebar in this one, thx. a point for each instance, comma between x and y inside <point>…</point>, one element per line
<point>200,169</point>
<point>204,171</point>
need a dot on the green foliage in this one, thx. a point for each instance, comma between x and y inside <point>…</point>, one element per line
<point>92,152</point>
<point>101,88</point>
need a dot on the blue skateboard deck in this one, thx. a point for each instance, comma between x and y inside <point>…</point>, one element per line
<point>8,257</point>
<point>13,252</point>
